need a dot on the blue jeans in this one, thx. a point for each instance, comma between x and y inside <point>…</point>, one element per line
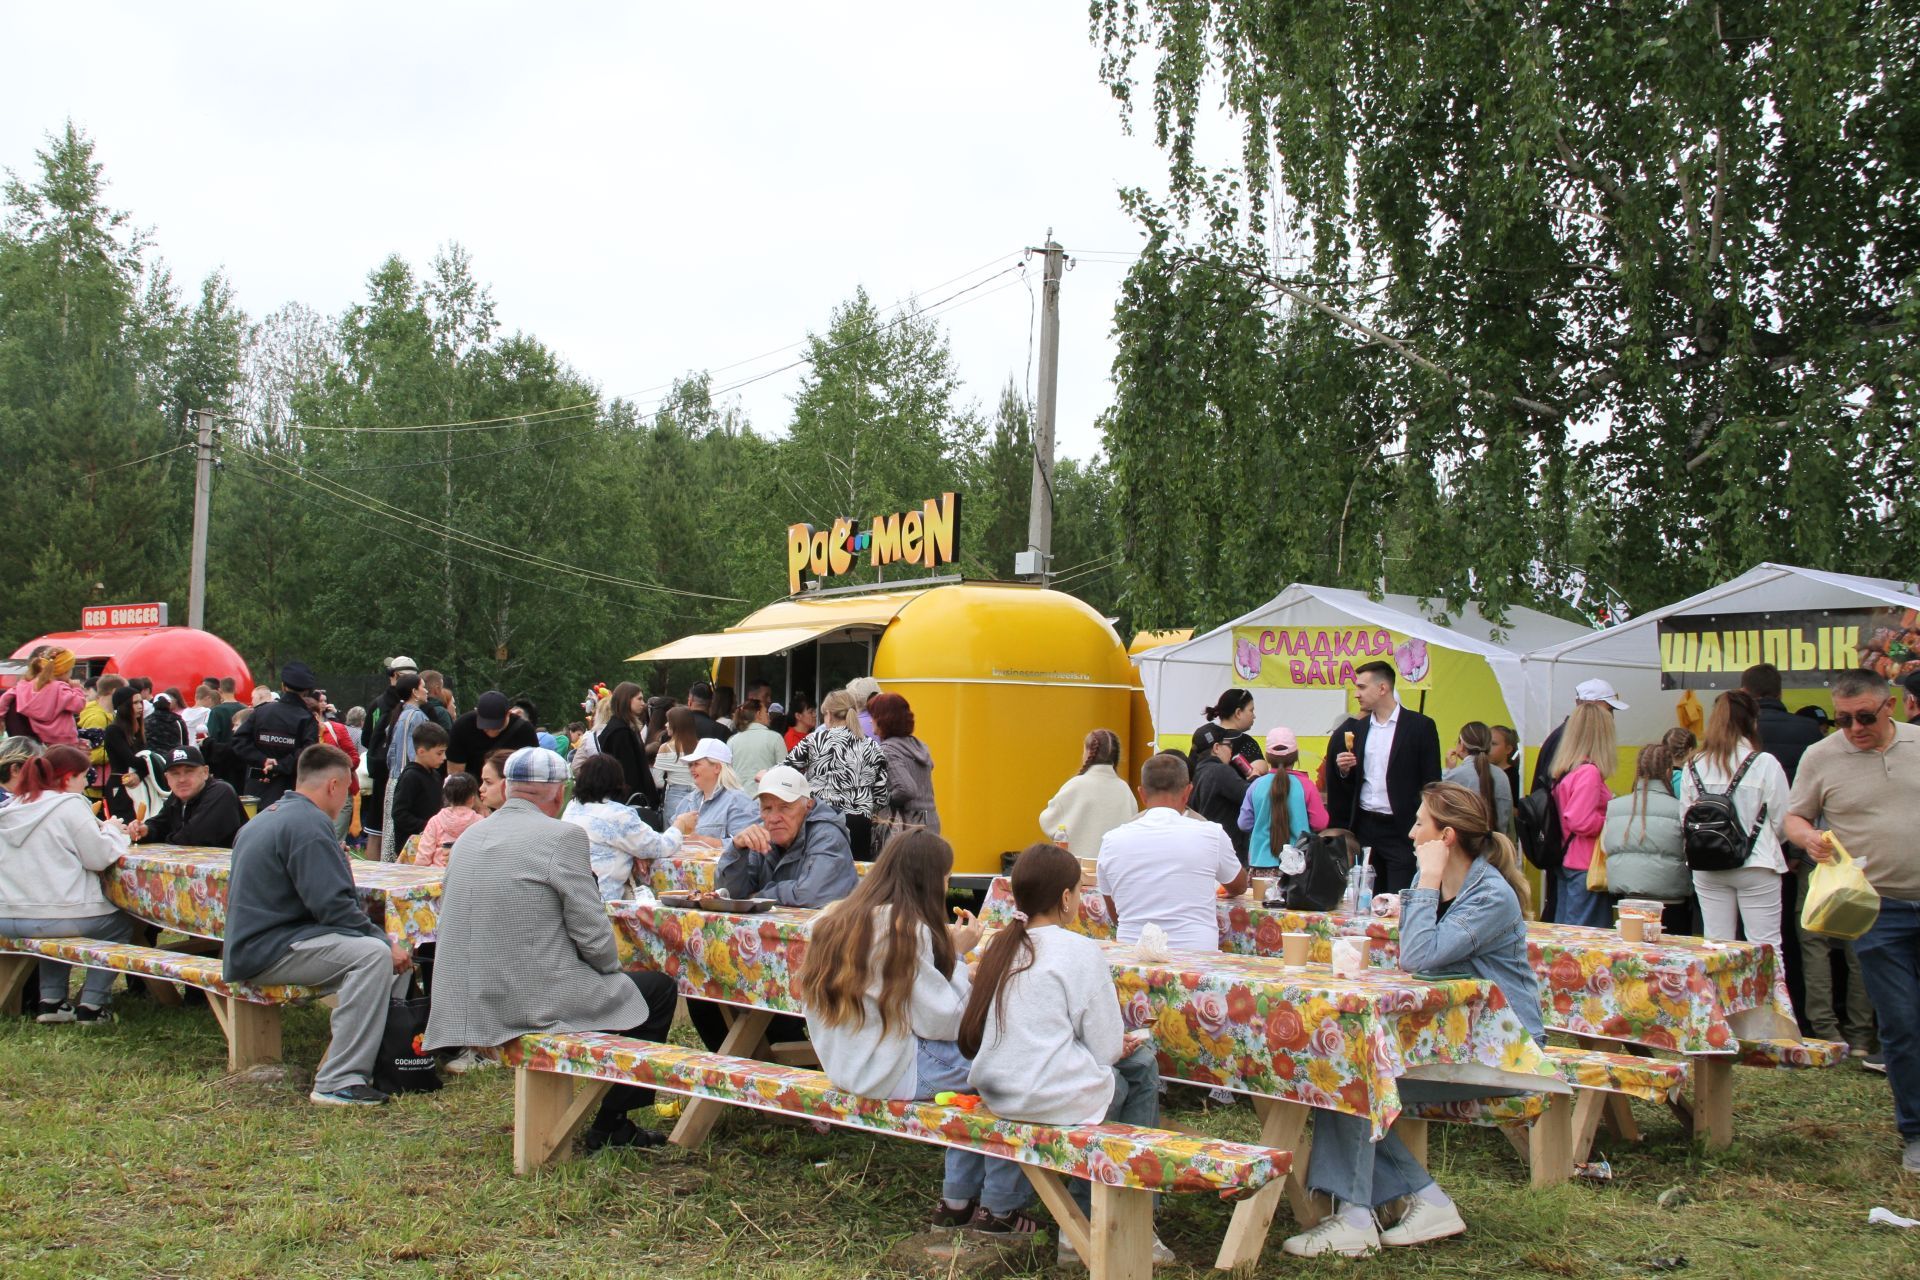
<point>1578,905</point>
<point>999,1185</point>
<point>1136,1100</point>
<point>1347,1164</point>
<point>111,927</point>
<point>1890,962</point>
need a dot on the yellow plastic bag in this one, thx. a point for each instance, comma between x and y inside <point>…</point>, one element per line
<point>1597,869</point>
<point>1840,902</point>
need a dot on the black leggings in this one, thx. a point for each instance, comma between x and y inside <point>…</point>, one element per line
<point>658,991</point>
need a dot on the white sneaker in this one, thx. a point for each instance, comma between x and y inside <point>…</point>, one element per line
<point>1422,1222</point>
<point>1067,1256</point>
<point>1161,1254</point>
<point>466,1060</point>
<point>1335,1235</point>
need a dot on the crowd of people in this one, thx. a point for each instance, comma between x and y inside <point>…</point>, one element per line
<point>539,830</point>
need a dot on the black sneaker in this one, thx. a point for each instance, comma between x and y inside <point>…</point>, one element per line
<point>1017,1223</point>
<point>354,1095</point>
<point>62,1012</point>
<point>624,1134</point>
<point>1874,1062</point>
<point>945,1215</point>
<point>87,1016</point>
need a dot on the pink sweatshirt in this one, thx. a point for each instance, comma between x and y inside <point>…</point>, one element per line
<point>442,829</point>
<point>1582,796</point>
<point>50,711</point>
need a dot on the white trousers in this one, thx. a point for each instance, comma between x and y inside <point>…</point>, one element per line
<point>1749,896</point>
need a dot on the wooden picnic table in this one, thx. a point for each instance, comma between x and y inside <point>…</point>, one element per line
<point>184,889</point>
<point>1291,1039</point>
<point>1692,996</point>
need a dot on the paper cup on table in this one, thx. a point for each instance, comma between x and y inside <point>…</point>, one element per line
<point>1633,928</point>
<point>1295,948</point>
<point>1350,956</point>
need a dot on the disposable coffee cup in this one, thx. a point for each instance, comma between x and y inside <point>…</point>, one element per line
<point>1295,948</point>
<point>1633,928</point>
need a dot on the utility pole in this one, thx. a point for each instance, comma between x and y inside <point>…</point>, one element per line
<point>1039,559</point>
<point>202,490</point>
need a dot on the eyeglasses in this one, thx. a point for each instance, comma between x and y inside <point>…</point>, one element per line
<point>1865,719</point>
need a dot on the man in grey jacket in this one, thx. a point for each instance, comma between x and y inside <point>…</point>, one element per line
<point>524,942</point>
<point>798,854</point>
<point>293,917</point>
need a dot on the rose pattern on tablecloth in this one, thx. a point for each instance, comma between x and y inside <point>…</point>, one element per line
<point>1118,1155</point>
<point>1245,1023</point>
<point>1677,994</point>
<point>185,890</point>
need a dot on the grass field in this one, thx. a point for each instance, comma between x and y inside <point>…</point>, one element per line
<point>125,1152</point>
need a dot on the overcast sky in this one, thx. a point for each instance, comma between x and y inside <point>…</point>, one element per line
<point>647,192</point>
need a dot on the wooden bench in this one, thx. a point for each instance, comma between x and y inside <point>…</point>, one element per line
<point>249,1015</point>
<point>1125,1164</point>
<point>1602,1083</point>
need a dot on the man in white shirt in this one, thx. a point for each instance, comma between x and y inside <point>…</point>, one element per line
<point>1163,867</point>
<point>1384,757</point>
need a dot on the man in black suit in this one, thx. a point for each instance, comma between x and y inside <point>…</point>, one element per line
<point>1385,757</point>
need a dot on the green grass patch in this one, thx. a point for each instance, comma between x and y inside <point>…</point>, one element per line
<point>125,1152</point>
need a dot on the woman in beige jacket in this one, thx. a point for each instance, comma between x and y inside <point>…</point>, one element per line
<point>1093,801</point>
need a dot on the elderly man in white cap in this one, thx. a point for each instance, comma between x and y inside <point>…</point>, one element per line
<point>716,807</point>
<point>525,943</point>
<point>797,854</point>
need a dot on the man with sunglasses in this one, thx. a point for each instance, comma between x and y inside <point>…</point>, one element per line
<point>1863,784</point>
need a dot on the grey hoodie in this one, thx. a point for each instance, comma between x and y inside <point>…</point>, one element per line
<point>909,784</point>
<point>52,850</point>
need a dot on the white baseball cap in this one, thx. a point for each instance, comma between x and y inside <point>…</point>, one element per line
<point>786,783</point>
<point>1598,691</point>
<point>709,749</point>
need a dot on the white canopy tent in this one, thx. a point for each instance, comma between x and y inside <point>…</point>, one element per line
<point>1182,679</point>
<point>1629,655</point>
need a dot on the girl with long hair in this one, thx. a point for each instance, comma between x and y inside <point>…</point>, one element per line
<point>1581,763</point>
<point>623,738</point>
<point>1730,758</point>
<point>48,699</point>
<point>1475,770</point>
<point>1642,839</point>
<point>1042,1022</point>
<point>1286,790</point>
<point>1465,911</point>
<point>885,987</point>
<point>125,742</point>
<point>670,771</point>
<point>1093,801</point>
<point>52,851</point>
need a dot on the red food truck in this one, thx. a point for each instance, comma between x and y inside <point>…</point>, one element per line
<point>135,640</point>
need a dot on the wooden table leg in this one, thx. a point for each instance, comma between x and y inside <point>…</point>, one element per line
<point>1619,1118</point>
<point>1713,1100</point>
<point>547,1109</point>
<point>743,1037</point>
<point>1550,1144</point>
<point>15,973</point>
<point>253,1032</point>
<point>1122,1232</point>
<point>1589,1105</point>
<point>1066,1214</point>
<point>1413,1136</point>
<point>1283,1127</point>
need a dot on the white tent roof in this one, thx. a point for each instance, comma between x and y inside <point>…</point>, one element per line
<point>1182,679</point>
<point>1629,655</point>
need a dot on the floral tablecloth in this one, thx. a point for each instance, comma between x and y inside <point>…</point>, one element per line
<point>689,871</point>
<point>1246,1023</point>
<point>185,890</point>
<point>1677,994</point>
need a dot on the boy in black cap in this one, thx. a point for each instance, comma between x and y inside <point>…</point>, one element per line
<point>276,733</point>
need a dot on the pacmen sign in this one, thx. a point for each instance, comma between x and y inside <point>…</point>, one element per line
<point>1324,657</point>
<point>928,537</point>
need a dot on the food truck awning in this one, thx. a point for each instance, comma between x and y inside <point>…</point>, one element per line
<point>735,644</point>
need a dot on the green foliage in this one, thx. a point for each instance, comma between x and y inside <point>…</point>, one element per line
<point>1497,291</point>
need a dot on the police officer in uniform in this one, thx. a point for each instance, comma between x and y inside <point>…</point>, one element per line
<point>276,733</point>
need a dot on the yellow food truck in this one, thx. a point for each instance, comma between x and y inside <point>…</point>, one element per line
<point>1005,680</point>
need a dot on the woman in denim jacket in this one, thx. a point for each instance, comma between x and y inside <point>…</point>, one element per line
<point>1466,912</point>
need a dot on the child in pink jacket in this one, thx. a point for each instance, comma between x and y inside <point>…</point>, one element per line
<point>461,796</point>
<point>48,699</point>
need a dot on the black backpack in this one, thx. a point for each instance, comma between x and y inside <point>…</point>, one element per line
<point>1536,816</point>
<point>1710,828</point>
<point>1323,884</point>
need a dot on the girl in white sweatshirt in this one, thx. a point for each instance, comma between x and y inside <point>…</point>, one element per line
<point>884,989</point>
<point>1042,1022</point>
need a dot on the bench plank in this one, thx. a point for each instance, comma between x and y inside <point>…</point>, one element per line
<point>1107,1154</point>
<point>1794,1054</point>
<point>1654,1080</point>
<point>152,962</point>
